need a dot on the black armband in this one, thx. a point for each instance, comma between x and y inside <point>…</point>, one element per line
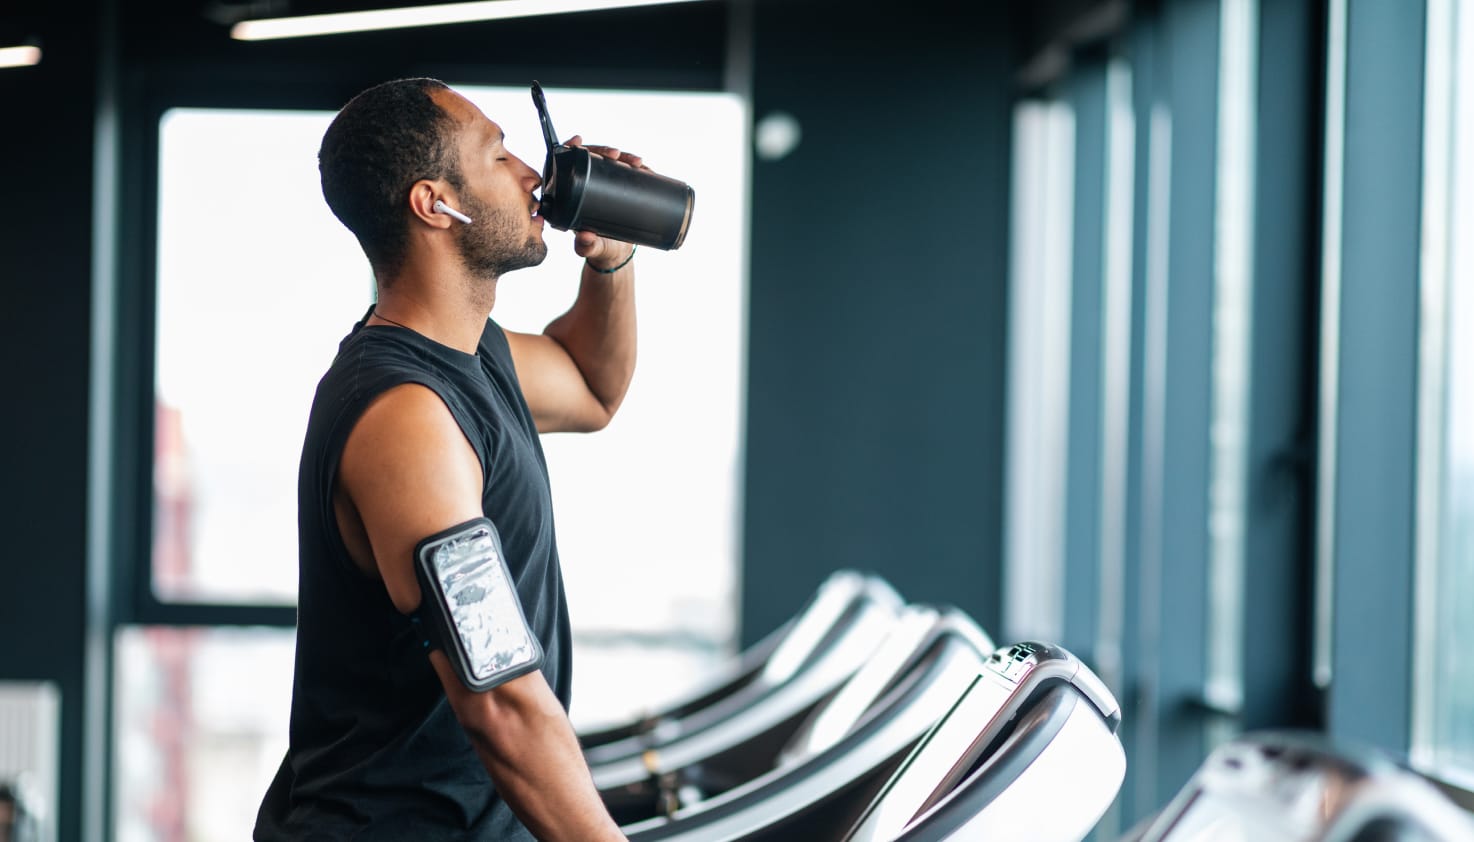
<point>469,606</point>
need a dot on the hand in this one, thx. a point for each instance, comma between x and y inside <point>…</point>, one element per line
<point>602,252</point>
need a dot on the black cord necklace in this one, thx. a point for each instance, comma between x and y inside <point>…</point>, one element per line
<point>384,318</point>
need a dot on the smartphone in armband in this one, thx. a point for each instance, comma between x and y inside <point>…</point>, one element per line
<point>469,606</point>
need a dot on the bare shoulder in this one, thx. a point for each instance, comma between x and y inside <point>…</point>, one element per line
<point>408,471</point>
<point>408,430</point>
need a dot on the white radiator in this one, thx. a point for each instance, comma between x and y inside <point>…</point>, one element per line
<point>30,746</point>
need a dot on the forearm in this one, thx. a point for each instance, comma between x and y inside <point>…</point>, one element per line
<point>534,758</point>
<point>598,333</point>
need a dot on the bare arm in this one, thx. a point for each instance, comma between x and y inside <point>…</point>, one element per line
<point>407,472</point>
<point>527,745</point>
<point>575,374</point>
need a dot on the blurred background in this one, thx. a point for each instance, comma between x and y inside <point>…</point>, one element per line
<point>1132,326</point>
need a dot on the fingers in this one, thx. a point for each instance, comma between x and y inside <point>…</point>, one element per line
<point>585,243</point>
<point>628,159</point>
<point>592,247</point>
<point>611,152</point>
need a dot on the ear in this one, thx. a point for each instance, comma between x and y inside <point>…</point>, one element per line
<point>422,196</point>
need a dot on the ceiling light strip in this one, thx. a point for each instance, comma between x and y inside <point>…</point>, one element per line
<point>19,56</point>
<point>438,15</point>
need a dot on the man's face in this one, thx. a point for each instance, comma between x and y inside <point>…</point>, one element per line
<point>506,232</point>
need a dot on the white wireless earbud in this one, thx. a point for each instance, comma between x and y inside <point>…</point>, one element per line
<point>442,207</point>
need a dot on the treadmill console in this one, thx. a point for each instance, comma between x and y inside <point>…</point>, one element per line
<point>1011,679</point>
<point>1279,787</point>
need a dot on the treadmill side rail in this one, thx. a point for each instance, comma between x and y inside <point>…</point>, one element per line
<point>759,809</point>
<point>1073,771</point>
<point>1011,681</point>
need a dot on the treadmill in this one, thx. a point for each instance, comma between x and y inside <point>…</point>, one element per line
<point>1290,786</point>
<point>770,661</point>
<point>817,783</point>
<point>1029,751</point>
<point>738,738</point>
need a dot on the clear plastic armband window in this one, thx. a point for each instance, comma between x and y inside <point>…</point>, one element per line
<point>470,606</point>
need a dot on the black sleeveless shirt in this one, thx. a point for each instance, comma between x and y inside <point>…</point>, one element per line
<point>375,749</point>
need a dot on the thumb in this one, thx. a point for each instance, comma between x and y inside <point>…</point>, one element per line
<point>586,244</point>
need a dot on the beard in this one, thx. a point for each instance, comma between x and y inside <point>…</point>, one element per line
<point>499,241</point>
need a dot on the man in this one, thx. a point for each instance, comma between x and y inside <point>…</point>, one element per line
<point>426,422</point>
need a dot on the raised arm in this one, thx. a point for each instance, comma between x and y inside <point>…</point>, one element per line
<point>408,472</point>
<point>575,374</point>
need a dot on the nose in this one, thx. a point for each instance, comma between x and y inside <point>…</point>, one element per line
<point>530,176</point>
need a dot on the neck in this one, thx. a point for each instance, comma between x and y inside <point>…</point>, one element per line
<point>452,312</point>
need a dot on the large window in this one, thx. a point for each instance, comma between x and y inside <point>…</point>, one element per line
<point>256,285</point>
<point>257,282</point>
<point>1444,732</point>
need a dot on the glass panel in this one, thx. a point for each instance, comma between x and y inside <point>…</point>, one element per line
<point>619,679</point>
<point>1451,747</point>
<point>1038,359</point>
<point>1232,311</point>
<point>256,284</point>
<point>201,726</point>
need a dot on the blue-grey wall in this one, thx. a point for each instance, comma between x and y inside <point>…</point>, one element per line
<point>878,304</point>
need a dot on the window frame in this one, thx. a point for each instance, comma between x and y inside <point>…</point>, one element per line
<point>136,602</point>
<point>133,599</point>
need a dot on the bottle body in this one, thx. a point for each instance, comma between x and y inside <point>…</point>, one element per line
<point>585,192</point>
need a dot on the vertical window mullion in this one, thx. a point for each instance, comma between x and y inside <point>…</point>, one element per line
<point>1330,337</point>
<point>1081,581</point>
<point>1376,396</point>
<point>1175,571</point>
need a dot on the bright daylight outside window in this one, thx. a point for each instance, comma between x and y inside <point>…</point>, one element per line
<point>1038,359</point>
<point>1449,735</point>
<point>257,283</point>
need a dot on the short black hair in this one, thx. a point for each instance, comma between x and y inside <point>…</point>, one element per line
<point>383,141</point>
